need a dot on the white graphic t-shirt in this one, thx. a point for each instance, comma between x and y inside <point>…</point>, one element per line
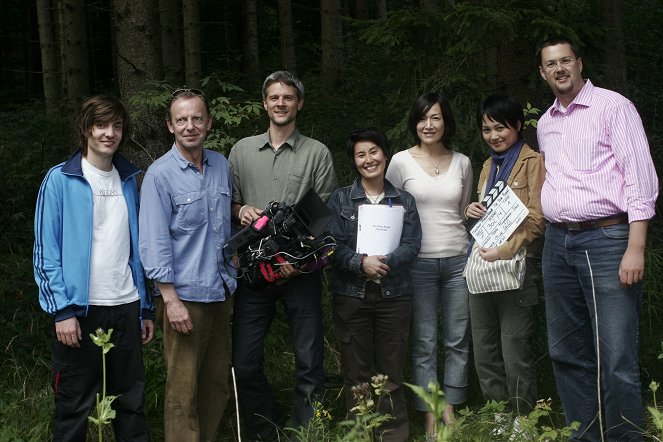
<point>111,281</point>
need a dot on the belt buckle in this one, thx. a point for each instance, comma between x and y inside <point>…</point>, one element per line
<point>573,226</point>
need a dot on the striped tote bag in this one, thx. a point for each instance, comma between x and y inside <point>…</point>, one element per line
<point>501,275</point>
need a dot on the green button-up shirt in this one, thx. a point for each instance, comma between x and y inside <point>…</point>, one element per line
<point>262,174</point>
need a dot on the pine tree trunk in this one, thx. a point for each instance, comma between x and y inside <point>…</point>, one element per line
<point>429,5</point>
<point>192,60</point>
<point>139,60</point>
<point>361,9</point>
<point>614,53</point>
<point>171,41</point>
<point>332,43</point>
<point>381,6</point>
<point>74,52</point>
<point>49,57</point>
<point>251,57</point>
<point>288,60</point>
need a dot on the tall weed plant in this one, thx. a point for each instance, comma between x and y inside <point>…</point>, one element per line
<point>655,411</point>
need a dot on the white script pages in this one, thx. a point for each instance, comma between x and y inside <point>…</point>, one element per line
<point>504,213</point>
<point>379,228</point>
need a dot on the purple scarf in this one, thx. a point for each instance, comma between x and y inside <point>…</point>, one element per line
<point>505,160</point>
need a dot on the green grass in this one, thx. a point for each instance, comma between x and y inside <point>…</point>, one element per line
<point>26,400</point>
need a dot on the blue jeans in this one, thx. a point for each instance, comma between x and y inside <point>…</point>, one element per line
<point>433,282</point>
<point>586,303</point>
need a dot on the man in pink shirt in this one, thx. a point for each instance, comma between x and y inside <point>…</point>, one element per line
<point>599,194</point>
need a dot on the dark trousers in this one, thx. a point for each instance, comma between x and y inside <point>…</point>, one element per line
<point>252,317</point>
<point>373,334</point>
<point>502,328</point>
<point>77,376</point>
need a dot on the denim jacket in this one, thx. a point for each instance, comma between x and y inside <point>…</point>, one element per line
<point>347,278</point>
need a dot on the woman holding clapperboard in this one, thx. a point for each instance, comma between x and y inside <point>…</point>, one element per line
<point>501,291</point>
<point>369,279</point>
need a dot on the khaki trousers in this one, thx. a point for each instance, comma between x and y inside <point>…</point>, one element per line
<point>197,387</point>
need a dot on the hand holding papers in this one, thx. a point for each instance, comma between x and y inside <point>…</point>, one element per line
<point>504,213</point>
<point>379,228</point>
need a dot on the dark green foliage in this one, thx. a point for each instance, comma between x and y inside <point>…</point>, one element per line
<point>231,113</point>
<point>29,145</point>
<point>469,51</point>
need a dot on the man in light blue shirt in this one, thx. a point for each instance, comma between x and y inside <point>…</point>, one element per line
<point>184,223</point>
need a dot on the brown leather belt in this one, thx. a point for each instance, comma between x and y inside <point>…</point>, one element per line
<point>620,218</point>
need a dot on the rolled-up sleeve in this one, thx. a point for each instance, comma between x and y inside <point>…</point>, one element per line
<point>155,245</point>
<point>632,153</point>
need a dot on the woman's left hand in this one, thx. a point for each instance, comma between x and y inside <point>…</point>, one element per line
<point>489,255</point>
<point>475,210</point>
<point>375,267</point>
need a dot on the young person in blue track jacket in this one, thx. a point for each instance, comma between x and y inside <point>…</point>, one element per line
<point>88,271</point>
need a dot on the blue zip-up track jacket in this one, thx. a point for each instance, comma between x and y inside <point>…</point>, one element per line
<point>63,238</point>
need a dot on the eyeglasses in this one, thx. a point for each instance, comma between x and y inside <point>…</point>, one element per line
<point>562,61</point>
<point>186,90</point>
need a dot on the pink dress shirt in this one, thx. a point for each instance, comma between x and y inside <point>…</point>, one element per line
<point>597,159</point>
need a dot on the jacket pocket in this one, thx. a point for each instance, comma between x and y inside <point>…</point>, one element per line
<point>520,188</point>
<point>297,185</point>
<point>343,337</point>
<point>349,214</point>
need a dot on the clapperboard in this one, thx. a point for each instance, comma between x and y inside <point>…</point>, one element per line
<point>504,213</point>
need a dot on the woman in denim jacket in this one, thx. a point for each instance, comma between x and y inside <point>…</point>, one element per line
<point>372,306</point>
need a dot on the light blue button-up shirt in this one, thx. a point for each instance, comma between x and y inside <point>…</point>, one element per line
<point>184,222</point>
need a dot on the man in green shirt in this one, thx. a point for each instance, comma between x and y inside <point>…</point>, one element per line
<point>279,165</point>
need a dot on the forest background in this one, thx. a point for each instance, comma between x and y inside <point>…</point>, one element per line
<point>363,63</point>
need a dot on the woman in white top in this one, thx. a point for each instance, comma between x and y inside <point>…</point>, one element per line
<point>440,180</point>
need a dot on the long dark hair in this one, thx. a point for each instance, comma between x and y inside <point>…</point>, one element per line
<point>422,105</point>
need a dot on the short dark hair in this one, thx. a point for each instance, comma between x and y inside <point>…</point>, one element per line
<point>371,134</point>
<point>503,109</point>
<point>422,105</point>
<point>100,109</point>
<point>554,41</point>
<point>284,77</point>
<point>186,92</point>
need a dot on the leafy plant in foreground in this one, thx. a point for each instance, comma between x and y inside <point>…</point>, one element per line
<point>655,413</point>
<point>434,399</point>
<point>366,417</point>
<point>105,413</point>
<point>319,428</point>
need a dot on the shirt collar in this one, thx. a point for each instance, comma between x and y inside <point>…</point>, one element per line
<point>72,165</point>
<point>358,192</point>
<point>291,142</point>
<point>582,99</point>
<point>183,162</point>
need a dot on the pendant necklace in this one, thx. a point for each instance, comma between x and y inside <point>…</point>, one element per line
<point>374,198</point>
<point>436,167</point>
